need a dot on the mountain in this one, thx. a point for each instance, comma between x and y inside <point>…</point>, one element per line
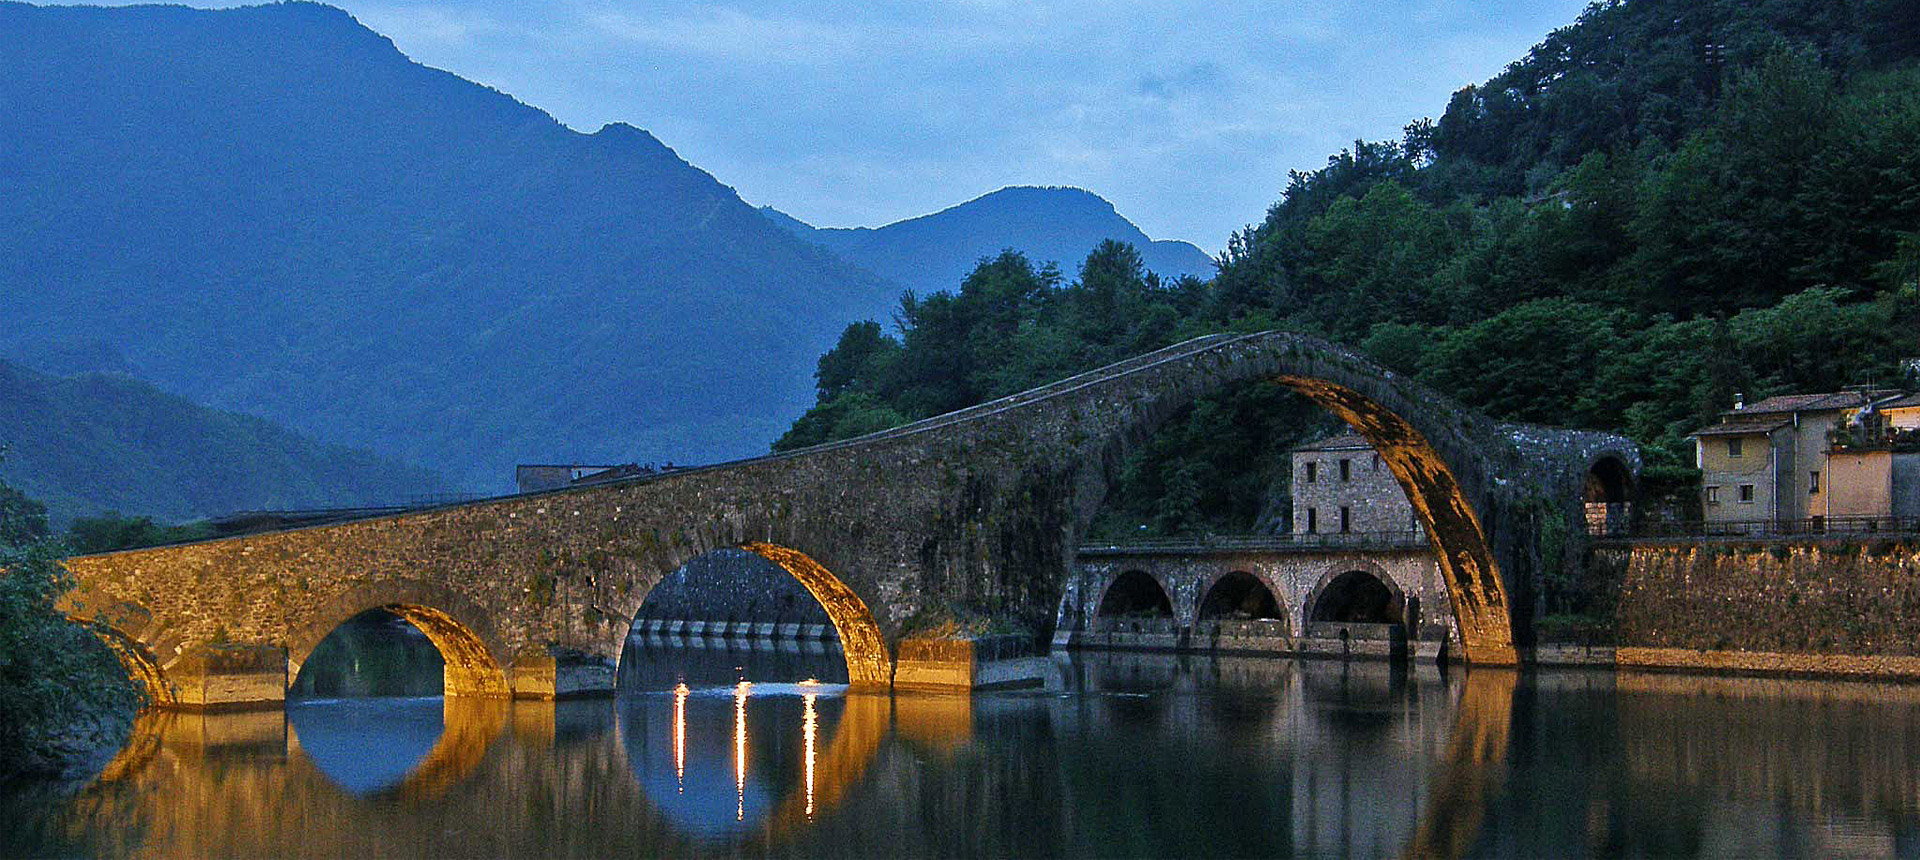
<point>271,210</point>
<point>88,444</point>
<point>935,252</point>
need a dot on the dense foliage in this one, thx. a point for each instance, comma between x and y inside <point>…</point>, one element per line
<point>63,694</point>
<point>1667,202</point>
<point>111,531</point>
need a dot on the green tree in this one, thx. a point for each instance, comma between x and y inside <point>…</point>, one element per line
<point>63,693</point>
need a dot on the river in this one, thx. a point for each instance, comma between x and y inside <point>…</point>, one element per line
<point>728,752</point>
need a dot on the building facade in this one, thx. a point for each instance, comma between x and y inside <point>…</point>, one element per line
<point>1811,461</point>
<point>1341,487</point>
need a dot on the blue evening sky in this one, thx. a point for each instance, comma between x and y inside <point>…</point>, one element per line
<point>1186,116</point>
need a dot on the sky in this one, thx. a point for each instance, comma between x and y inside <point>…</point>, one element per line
<point>1186,116</point>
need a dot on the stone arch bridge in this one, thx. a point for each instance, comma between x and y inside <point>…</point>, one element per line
<point>980,509</point>
<point>1205,591</point>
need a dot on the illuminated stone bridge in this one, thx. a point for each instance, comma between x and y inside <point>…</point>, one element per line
<point>974,512</point>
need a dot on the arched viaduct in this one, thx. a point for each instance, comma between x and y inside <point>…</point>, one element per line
<point>979,509</point>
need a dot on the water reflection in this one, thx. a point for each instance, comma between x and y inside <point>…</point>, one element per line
<point>1139,755</point>
<point>333,734</point>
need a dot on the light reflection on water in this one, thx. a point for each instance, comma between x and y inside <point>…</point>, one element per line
<point>1126,755</point>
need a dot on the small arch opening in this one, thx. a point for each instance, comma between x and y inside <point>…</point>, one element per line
<point>1240,596</point>
<point>1607,497</point>
<point>375,654</point>
<point>392,649</point>
<point>1358,597</point>
<point>1135,594</point>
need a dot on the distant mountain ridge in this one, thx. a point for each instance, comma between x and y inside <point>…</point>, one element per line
<point>272,210</point>
<point>1048,224</point>
<point>92,443</point>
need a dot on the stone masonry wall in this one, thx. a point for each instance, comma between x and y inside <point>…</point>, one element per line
<point>1810,597</point>
<point>1370,493</point>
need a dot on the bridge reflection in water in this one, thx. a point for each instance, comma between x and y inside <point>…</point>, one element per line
<point>1132,755</point>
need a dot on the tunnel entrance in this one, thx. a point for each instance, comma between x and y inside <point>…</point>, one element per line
<point>1239,596</point>
<point>1358,597</point>
<point>1135,594</point>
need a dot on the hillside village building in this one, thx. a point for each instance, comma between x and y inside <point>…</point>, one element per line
<point>1839,460</point>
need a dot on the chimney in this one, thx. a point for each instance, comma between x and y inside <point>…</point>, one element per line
<point>1739,401</point>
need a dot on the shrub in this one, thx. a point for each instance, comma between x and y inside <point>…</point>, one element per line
<point>63,693</point>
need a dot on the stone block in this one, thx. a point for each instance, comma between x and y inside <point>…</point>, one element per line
<point>230,677</point>
<point>960,665</point>
<point>548,677</point>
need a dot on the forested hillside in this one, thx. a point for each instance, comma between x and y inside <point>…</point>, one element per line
<point>933,252</point>
<point>88,444</point>
<point>270,209</point>
<point>1663,204</point>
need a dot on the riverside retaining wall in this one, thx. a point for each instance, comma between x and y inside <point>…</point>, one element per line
<point>1814,606</point>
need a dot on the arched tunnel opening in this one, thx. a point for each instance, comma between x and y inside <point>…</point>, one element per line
<point>1358,597</point>
<point>1240,596</point>
<point>1135,594</point>
<point>1607,497</point>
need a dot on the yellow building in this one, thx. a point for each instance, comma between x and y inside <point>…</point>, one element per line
<point>1779,463</point>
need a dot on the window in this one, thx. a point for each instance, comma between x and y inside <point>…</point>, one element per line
<point>1746,494</point>
<point>1346,470</point>
<point>1376,463</point>
<point>1313,471</point>
<point>1733,447</point>
<point>1346,519</point>
<point>1713,495</point>
<point>1313,521</point>
<point>1813,483</point>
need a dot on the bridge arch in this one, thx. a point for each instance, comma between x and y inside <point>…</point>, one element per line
<point>869,660</point>
<point>1238,590</point>
<point>1135,592</point>
<point>1357,593</point>
<point>1440,454</point>
<point>141,665</point>
<point>461,631</point>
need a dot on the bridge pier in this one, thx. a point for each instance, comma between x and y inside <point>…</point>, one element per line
<point>554,673</point>
<point>965,665</point>
<point>226,677</point>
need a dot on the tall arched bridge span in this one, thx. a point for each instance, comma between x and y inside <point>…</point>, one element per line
<point>980,508</point>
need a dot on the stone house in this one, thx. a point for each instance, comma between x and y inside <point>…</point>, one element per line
<point>1796,461</point>
<point>1340,486</point>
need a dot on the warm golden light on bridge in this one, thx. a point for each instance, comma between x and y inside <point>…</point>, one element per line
<point>740,692</point>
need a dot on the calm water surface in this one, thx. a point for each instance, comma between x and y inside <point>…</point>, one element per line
<point>1124,755</point>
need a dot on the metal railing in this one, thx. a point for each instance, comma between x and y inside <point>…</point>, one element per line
<point>1812,527</point>
<point>1405,538</point>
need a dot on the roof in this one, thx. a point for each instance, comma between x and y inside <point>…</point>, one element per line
<point>1786,404</point>
<point>1908,402</point>
<point>1340,442</point>
<point>1756,426</point>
